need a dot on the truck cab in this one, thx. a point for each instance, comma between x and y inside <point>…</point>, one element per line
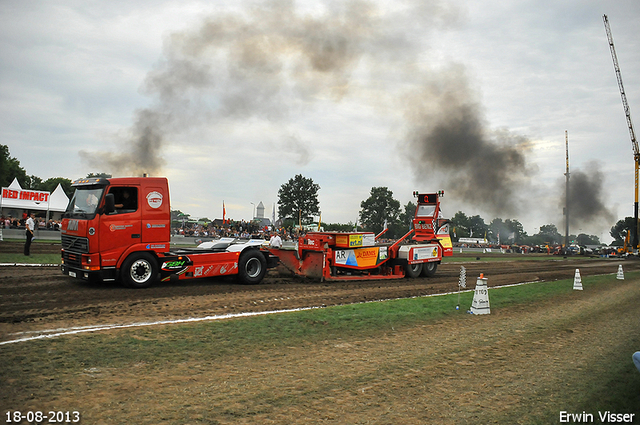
<point>428,223</point>
<point>108,219</point>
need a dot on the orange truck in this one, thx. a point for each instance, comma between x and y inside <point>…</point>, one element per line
<point>119,229</point>
<point>335,256</point>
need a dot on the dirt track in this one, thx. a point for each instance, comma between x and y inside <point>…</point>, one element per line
<point>517,365</point>
<point>37,298</point>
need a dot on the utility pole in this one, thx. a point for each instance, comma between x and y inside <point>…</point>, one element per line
<point>566,194</point>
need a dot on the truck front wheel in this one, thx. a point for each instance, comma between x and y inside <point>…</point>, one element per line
<point>139,270</point>
<point>252,267</point>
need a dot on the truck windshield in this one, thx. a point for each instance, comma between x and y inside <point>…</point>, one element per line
<point>85,201</point>
<point>426,210</point>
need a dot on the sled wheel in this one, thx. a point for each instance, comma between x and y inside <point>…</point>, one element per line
<point>429,269</point>
<point>413,270</point>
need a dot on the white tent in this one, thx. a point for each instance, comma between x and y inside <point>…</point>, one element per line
<point>15,184</point>
<point>14,197</point>
<point>58,200</point>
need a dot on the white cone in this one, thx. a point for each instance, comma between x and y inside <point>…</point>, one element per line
<point>480,304</point>
<point>577,281</point>
<point>620,273</point>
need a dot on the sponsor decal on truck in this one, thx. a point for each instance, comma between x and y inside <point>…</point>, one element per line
<point>154,199</point>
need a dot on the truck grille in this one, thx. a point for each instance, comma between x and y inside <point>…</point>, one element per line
<point>73,248</point>
<point>75,244</point>
<point>72,259</point>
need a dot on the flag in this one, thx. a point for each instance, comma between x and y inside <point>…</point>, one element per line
<point>224,214</point>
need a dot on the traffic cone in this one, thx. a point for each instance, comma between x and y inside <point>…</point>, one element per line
<point>577,281</point>
<point>620,273</point>
<point>480,303</point>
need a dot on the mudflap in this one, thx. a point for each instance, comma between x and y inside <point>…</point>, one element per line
<point>272,260</point>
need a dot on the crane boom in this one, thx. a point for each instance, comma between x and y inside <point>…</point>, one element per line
<point>566,194</point>
<point>632,133</point>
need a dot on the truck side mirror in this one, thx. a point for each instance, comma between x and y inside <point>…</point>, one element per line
<point>109,203</point>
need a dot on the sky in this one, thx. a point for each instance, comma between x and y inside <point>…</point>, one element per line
<point>231,99</point>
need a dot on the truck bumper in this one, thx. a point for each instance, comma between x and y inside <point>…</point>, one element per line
<point>89,275</point>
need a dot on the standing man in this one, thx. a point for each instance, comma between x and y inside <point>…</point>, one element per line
<point>276,241</point>
<point>30,226</point>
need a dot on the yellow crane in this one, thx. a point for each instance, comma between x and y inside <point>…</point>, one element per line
<point>634,142</point>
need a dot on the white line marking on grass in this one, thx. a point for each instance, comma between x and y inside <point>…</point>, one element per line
<point>55,333</point>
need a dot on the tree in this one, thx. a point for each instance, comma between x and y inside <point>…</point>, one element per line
<point>550,234</point>
<point>298,198</point>
<point>34,183</point>
<point>499,230</point>
<point>379,208</point>
<point>619,231</point>
<point>49,185</point>
<point>516,229</point>
<point>338,227</point>
<point>584,239</point>
<point>10,168</point>
<point>477,227</point>
<point>406,216</point>
<point>99,175</point>
<point>460,225</point>
<point>508,231</point>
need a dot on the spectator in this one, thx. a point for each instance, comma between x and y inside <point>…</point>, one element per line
<point>276,241</point>
<point>30,226</point>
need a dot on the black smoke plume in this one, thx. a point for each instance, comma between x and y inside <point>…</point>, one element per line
<point>586,198</point>
<point>261,64</point>
<point>449,139</point>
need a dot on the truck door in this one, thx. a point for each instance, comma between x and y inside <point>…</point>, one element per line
<point>120,229</point>
<point>156,215</point>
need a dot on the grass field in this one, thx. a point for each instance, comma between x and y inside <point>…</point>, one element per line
<point>32,259</point>
<point>403,361</point>
<point>42,252</point>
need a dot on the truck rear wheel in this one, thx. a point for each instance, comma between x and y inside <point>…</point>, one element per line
<point>252,267</point>
<point>139,270</point>
<point>429,269</point>
<point>413,270</point>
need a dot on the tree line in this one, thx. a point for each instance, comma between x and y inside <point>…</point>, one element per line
<point>298,203</point>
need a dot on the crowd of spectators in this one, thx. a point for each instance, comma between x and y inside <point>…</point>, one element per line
<point>544,249</point>
<point>242,230</point>
<point>10,222</point>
